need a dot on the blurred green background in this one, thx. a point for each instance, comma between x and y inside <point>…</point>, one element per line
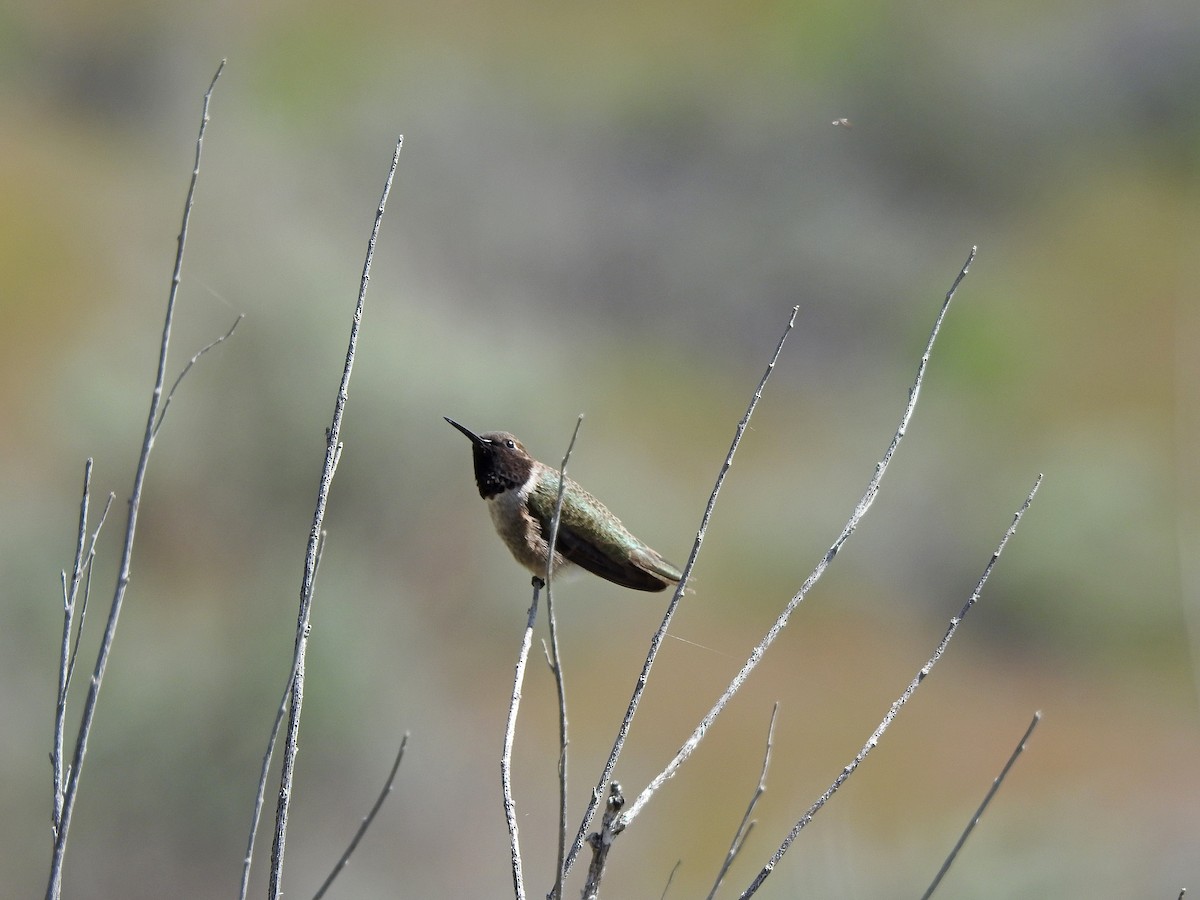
<point>610,209</point>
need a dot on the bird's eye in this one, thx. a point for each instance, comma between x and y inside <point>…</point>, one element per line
<point>510,444</point>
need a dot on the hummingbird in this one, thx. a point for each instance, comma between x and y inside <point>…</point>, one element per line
<point>521,493</point>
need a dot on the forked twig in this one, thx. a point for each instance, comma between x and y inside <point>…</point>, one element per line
<point>64,658</point>
<point>88,569</point>
<point>191,362</point>
<point>746,825</point>
<point>366,822</point>
<point>899,702</point>
<point>71,788</point>
<point>333,449</point>
<point>962,838</point>
<point>556,668</point>
<point>656,641</point>
<point>81,575</point>
<point>860,510</point>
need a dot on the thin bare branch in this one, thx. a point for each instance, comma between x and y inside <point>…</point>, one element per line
<point>510,736</point>
<point>366,822</point>
<point>54,882</point>
<point>900,701</point>
<point>261,792</point>
<point>64,657</point>
<point>860,510</point>
<point>962,839</point>
<point>81,574</point>
<point>601,841</point>
<point>191,362</point>
<point>332,453</point>
<point>670,878</point>
<point>265,768</point>
<point>87,586</point>
<point>556,668</point>
<point>681,588</point>
<point>70,591</point>
<point>747,825</point>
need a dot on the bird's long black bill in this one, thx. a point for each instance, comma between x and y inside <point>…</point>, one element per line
<point>475,439</point>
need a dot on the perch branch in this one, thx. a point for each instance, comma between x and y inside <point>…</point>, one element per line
<point>510,734</point>
<point>556,668</point>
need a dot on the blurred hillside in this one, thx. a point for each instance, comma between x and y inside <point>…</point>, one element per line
<point>611,210</point>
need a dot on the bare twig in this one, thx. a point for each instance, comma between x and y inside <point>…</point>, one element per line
<point>510,734</point>
<point>670,878</point>
<point>191,362</point>
<point>261,792</point>
<point>556,668</point>
<point>746,825</point>
<point>601,841</point>
<point>660,634</point>
<point>860,510</point>
<point>962,839</point>
<point>64,657</point>
<point>366,822</point>
<point>71,592</point>
<point>54,882</point>
<point>900,701</point>
<point>265,768</point>
<point>87,586</point>
<point>333,449</point>
<point>81,574</point>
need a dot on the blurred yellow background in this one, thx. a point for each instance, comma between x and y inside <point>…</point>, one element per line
<point>610,209</point>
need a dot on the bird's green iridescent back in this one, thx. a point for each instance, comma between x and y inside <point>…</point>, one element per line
<point>591,536</point>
